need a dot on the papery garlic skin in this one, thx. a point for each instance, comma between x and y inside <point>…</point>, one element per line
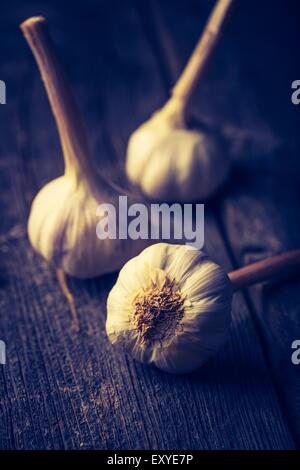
<point>204,325</point>
<point>171,163</point>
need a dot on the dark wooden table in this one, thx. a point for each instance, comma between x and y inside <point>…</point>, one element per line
<point>66,389</point>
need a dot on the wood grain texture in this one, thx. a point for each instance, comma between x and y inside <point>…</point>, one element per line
<point>66,389</point>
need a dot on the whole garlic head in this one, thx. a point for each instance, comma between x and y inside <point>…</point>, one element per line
<point>63,217</point>
<point>171,307</point>
<point>167,161</point>
<point>171,163</point>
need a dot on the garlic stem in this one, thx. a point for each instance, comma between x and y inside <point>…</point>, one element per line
<point>195,67</point>
<point>67,116</point>
<point>282,264</point>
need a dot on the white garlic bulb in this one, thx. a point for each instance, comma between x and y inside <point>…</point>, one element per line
<point>171,163</point>
<point>62,228</point>
<point>171,307</point>
<point>62,222</point>
<point>165,159</point>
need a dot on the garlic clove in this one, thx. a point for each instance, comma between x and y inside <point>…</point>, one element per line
<point>171,307</point>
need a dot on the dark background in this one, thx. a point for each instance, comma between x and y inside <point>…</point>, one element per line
<point>67,388</point>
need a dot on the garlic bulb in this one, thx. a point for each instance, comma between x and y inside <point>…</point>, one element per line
<point>171,307</point>
<point>165,159</point>
<point>169,162</point>
<point>62,222</point>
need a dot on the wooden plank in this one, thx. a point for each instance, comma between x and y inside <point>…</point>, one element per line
<point>267,205</point>
<point>258,213</point>
<point>68,389</point>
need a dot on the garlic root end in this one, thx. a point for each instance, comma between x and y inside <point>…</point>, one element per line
<point>62,281</point>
